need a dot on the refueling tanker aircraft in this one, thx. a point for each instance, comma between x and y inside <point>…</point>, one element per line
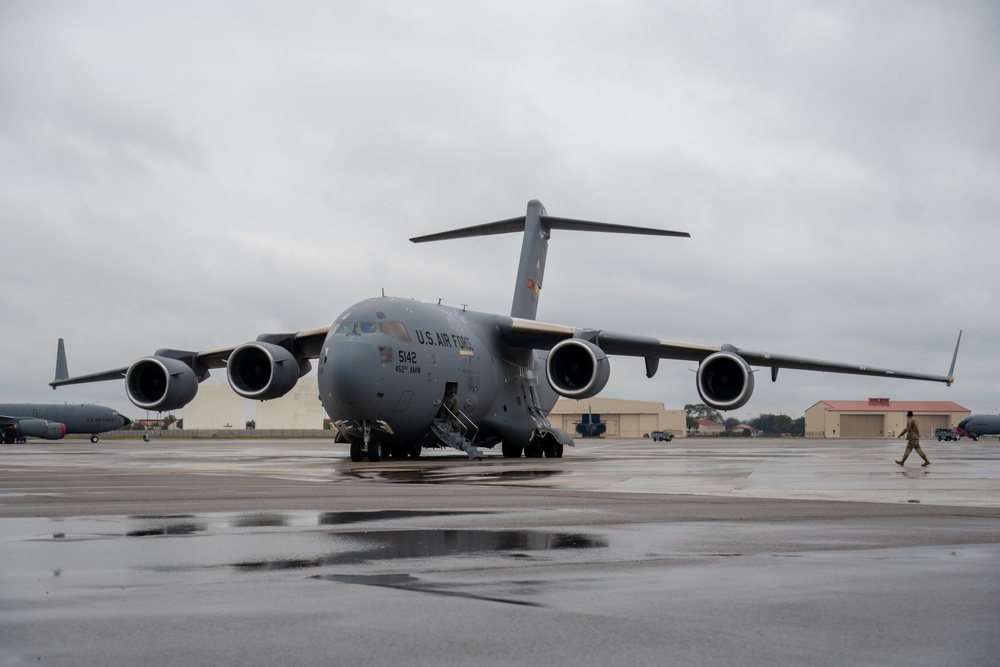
<point>19,421</point>
<point>974,426</point>
<point>396,375</point>
<point>52,421</point>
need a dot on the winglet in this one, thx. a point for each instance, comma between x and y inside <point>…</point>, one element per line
<point>954,358</point>
<point>62,370</point>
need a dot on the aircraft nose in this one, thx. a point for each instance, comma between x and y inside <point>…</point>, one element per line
<point>126,420</point>
<point>353,366</point>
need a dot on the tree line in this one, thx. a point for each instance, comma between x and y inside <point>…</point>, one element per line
<point>767,424</point>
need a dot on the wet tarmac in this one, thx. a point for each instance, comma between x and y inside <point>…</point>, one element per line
<point>707,552</point>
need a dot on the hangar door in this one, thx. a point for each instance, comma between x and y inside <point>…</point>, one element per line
<point>862,426</point>
<point>928,423</point>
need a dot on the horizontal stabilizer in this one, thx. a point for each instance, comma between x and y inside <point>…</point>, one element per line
<point>536,227</point>
<point>517,225</point>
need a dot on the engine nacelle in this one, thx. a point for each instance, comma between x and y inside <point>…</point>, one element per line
<point>39,428</point>
<point>725,381</point>
<point>262,371</point>
<point>160,383</point>
<point>577,368</point>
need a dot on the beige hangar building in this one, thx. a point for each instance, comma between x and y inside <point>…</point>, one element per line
<point>624,419</point>
<point>217,406</point>
<point>879,418</point>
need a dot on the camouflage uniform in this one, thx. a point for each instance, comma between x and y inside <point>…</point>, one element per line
<point>912,433</point>
<point>450,409</point>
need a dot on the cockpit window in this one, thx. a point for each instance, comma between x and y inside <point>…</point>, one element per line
<point>401,332</point>
<point>395,330</point>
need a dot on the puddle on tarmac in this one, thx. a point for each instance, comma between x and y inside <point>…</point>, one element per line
<point>401,544</point>
<point>172,524</point>
<point>340,518</point>
<point>451,475</point>
<point>260,520</point>
<point>186,524</point>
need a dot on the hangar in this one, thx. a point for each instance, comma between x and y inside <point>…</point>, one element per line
<point>217,407</point>
<point>624,419</point>
<point>879,418</point>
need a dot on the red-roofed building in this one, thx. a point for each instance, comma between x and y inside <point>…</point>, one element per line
<point>710,427</point>
<point>879,418</point>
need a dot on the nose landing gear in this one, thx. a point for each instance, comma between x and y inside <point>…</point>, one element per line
<point>368,445</point>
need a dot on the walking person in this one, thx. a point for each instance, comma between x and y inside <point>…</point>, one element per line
<point>912,433</point>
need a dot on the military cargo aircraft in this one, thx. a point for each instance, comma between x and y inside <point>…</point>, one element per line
<point>19,421</point>
<point>396,375</point>
<point>974,426</point>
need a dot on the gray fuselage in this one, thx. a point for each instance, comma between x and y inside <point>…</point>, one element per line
<point>974,426</point>
<point>391,360</point>
<point>85,418</point>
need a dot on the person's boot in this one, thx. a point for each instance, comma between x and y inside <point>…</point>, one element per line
<point>926,463</point>
<point>901,462</point>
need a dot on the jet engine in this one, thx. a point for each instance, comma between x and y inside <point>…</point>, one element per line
<point>725,381</point>
<point>262,371</point>
<point>577,368</point>
<point>39,428</point>
<point>160,383</point>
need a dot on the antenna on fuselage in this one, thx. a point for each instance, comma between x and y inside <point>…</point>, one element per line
<point>537,226</point>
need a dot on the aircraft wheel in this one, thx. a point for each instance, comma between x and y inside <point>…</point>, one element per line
<point>356,452</point>
<point>374,452</point>
<point>511,451</point>
<point>415,451</point>
<point>532,452</point>
<point>94,439</point>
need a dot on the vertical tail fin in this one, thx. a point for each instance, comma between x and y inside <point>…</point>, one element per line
<point>531,268</point>
<point>537,226</point>
<point>62,370</point>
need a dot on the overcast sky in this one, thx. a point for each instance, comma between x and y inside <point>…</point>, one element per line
<point>192,174</point>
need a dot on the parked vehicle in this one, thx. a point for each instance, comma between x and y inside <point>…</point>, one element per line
<point>666,436</point>
<point>946,434</point>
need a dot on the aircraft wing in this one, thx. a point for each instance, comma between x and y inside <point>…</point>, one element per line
<point>540,335</point>
<point>305,344</point>
<point>103,376</point>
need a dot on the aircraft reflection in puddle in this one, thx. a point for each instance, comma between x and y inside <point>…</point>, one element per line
<point>449,475</point>
<point>362,516</point>
<point>430,543</point>
<point>173,524</point>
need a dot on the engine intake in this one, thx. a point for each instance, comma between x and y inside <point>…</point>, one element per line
<point>577,368</point>
<point>262,371</point>
<point>160,383</point>
<point>725,381</point>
